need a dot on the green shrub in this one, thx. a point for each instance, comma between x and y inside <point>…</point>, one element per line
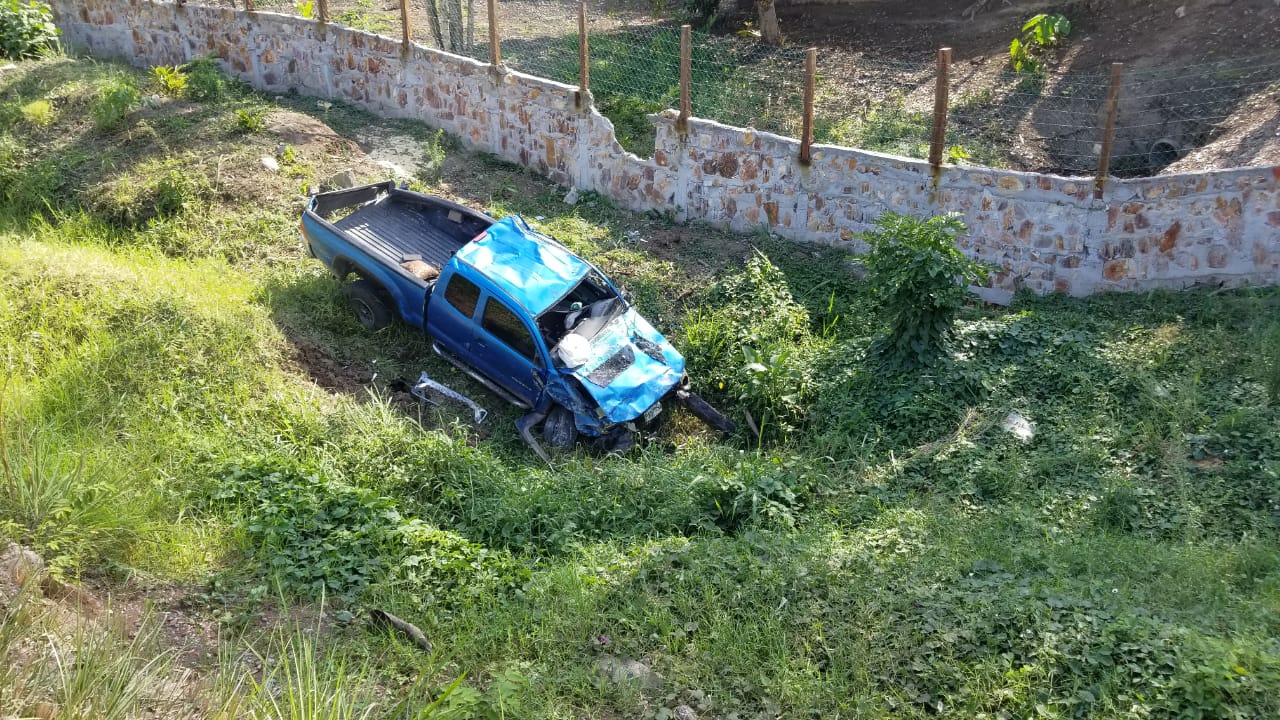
<point>1039,34</point>
<point>205,80</point>
<point>250,120</point>
<point>751,342</point>
<point>768,493</point>
<point>920,278</point>
<point>114,104</point>
<point>170,78</point>
<point>26,29</point>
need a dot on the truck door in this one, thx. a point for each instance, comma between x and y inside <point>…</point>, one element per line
<point>505,350</point>
<point>451,316</point>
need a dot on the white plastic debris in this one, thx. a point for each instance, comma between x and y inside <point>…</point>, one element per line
<point>324,104</point>
<point>571,197</point>
<point>269,163</point>
<point>1018,426</point>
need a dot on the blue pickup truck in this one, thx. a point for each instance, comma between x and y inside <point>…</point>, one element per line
<point>535,324</point>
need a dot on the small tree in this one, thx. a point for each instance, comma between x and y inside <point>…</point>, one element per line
<point>770,31</point>
<point>921,279</point>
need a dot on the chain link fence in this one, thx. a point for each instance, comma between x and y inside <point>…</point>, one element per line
<point>1046,121</point>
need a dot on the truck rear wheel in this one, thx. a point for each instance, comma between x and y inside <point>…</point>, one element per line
<point>371,310</point>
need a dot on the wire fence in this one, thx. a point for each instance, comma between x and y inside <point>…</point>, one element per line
<point>1040,121</point>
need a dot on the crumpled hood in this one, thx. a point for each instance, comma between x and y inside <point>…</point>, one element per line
<point>631,367</point>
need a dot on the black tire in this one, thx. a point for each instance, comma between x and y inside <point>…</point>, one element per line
<point>559,429</point>
<point>366,300</point>
<point>704,412</point>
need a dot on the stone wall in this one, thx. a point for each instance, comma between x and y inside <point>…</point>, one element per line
<point>1043,232</point>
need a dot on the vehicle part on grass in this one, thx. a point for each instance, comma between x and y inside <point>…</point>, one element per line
<point>525,427</point>
<point>704,412</point>
<point>370,309</point>
<point>382,620</point>
<point>419,390</point>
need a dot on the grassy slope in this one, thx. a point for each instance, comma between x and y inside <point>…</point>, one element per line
<point>892,551</point>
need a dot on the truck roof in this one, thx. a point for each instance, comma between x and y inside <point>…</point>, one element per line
<point>531,268</point>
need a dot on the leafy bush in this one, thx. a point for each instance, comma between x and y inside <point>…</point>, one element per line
<point>319,536</point>
<point>170,78</point>
<point>250,120</point>
<point>921,279</point>
<point>26,29</point>
<point>751,342</point>
<point>1039,34</point>
<point>205,80</point>
<point>114,104</point>
<point>755,492</point>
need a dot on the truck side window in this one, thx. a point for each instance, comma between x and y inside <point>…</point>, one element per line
<point>463,295</point>
<point>503,324</point>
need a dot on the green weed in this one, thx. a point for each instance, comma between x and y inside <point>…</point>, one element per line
<point>206,81</point>
<point>921,279</point>
<point>114,104</point>
<point>170,78</point>
<point>250,120</point>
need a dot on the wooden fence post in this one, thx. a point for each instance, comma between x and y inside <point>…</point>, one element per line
<point>941,98</point>
<point>686,78</point>
<point>584,65</point>
<point>406,32</point>
<point>323,7</point>
<point>806,131</point>
<point>248,5</point>
<point>495,47</point>
<point>1108,132</point>
<point>583,96</point>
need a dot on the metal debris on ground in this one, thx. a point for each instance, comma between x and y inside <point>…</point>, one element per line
<point>425,383</point>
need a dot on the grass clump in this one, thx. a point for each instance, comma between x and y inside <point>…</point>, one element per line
<point>156,190</point>
<point>39,113</point>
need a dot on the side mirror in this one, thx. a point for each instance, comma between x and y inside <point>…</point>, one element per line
<point>627,297</point>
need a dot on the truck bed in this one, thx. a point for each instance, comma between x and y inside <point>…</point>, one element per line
<point>396,226</point>
<point>399,232</point>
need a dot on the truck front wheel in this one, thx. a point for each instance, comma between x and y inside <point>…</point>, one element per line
<point>559,429</point>
<point>371,310</point>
